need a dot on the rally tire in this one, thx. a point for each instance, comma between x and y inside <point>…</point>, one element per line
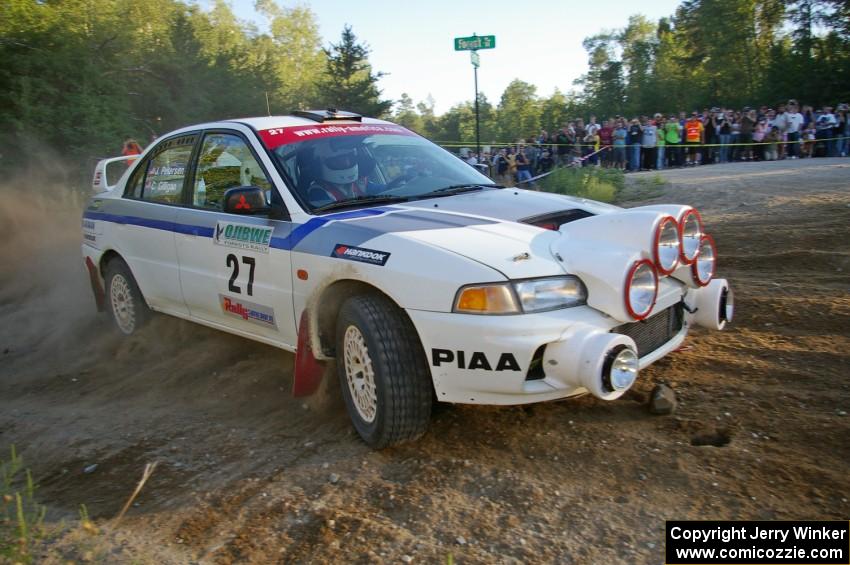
<point>383,371</point>
<point>124,301</point>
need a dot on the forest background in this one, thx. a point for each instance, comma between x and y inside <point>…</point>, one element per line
<point>77,77</point>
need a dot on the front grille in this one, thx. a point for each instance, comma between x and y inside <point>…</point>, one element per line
<point>655,331</point>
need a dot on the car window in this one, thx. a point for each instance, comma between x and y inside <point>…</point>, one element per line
<point>225,161</point>
<point>341,166</point>
<point>160,177</point>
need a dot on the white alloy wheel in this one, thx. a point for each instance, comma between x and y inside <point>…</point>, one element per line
<point>121,300</point>
<point>359,374</point>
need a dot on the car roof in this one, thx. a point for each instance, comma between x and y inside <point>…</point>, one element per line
<point>269,122</point>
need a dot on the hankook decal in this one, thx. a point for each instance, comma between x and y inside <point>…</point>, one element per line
<point>363,255</point>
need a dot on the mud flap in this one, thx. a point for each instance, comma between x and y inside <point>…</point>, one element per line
<point>308,370</point>
<point>96,287</point>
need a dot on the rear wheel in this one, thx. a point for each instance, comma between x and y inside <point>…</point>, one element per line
<point>383,372</point>
<point>124,300</point>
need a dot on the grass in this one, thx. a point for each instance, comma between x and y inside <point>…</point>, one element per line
<point>21,517</point>
<point>592,183</point>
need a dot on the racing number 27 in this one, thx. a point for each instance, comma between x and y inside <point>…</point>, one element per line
<point>233,263</point>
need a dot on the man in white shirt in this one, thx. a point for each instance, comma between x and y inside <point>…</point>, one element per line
<point>793,126</point>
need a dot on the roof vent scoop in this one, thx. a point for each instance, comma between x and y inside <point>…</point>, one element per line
<point>329,115</point>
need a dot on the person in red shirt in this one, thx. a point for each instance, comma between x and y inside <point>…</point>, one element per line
<point>694,136</point>
<point>131,147</point>
<point>606,135</point>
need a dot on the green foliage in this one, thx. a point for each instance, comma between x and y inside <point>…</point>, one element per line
<point>519,111</point>
<point>721,52</point>
<point>21,518</point>
<point>80,76</point>
<point>349,82</point>
<point>585,182</point>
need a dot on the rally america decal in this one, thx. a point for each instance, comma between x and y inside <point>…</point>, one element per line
<point>248,311</point>
<point>371,256</point>
<point>243,236</point>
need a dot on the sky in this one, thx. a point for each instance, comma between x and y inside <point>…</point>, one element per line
<point>413,42</point>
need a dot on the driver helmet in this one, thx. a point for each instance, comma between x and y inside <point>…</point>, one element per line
<point>338,162</point>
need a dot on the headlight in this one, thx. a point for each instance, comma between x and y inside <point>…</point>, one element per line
<point>550,294</point>
<point>523,296</point>
<point>690,234</point>
<point>703,268</point>
<point>641,289</point>
<point>667,245</point>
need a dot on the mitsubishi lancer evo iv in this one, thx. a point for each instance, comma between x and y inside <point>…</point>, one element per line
<point>356,243</point>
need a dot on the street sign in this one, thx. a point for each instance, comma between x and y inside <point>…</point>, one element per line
<point>475,42</point>
<point>476,60</point>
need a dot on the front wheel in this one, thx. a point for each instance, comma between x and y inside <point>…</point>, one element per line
<point>383,372</point>
<point>124,300</point>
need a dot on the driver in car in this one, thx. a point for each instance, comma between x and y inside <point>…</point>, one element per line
<point>341,174</point>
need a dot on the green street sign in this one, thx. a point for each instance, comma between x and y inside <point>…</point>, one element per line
<point>475,42</point>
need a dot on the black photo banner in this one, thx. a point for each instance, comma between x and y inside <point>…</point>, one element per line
<point>757,542</point>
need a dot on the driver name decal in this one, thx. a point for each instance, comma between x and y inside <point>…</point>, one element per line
<point>243,236</point>
<point>371,256</point>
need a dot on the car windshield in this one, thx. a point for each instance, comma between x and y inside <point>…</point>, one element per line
<point>332,166</point>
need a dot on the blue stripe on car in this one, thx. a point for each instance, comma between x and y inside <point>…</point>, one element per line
<point>286,243</point>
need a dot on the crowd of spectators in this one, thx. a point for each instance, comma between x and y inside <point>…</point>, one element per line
<point>716,135</point>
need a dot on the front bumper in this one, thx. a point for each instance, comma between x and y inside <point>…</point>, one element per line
<point>529,358</point>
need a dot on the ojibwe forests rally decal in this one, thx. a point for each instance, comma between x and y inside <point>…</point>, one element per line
<point>275,137</point>
<point>243,236</point>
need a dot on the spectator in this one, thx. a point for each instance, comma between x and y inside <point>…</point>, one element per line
<point>723,124</point>
<point>843,130</point>
<point>564,145</point>
<point>511,159</point>
<point>748,124</point>
<point>131,147</point>
<point>580,133</point>
<point>619,141</point>
<point>694,137</point>
<point>759,133</point>
<point>546,161</point>
<point>809,137</point>
<point>709,124</point>
<point>780,122</point>
<point>771,149</point>
<point>793,128</point>
<point>523,167</point>
<point>673,140</point>
<point>825,123</point>
<point>649,143</point>
<point>661,142</point>
<point>734,119</point>
<point>606,135</point>
<point>633,140</point>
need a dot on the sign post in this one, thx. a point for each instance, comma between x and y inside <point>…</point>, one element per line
<point>473,44</point>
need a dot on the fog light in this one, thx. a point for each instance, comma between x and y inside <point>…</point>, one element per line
<point>620,368</point>
<point>727,305</point>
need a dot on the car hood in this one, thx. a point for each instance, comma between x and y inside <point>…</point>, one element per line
<point>488,227</point>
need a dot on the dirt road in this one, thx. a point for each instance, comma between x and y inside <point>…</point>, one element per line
<point>248,474</point>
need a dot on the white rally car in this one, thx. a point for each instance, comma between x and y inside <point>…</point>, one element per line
<point>352,239</point>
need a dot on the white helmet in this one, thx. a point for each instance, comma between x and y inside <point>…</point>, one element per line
<point>339,164</point>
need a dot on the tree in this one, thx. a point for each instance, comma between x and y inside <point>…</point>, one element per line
<point>406,114</point>
<point>349,83</point>
<point>519,111</point>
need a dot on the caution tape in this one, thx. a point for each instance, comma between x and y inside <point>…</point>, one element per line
<point>680,144</point>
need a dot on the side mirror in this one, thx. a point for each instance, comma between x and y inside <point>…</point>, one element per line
<point>245,200</point>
